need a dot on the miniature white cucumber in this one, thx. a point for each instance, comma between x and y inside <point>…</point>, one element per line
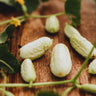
<point>36,49</point>
<point>27,71</point>
<point>89,88</point>
<point>70,30</point>
<point>82,45</point>
<point>60,60</point>
<point>92,67</point>
<point>52,24</point>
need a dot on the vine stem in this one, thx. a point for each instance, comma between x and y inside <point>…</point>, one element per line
<point>24,9</point>
<point>4,75</point>
<point>68,90</point>
<point>8,21</point>
<point>30,84</point>
<point>45,16</point>
<point>31,16</point>
<point>85,62</point>
<point>35,84</point>
<point>7,65</point>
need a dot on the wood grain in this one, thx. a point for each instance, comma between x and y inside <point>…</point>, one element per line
<point>33,29</point>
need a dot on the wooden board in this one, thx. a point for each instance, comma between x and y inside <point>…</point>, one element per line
<point>33,29</point>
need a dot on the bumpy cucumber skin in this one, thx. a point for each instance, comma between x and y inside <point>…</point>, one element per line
<point>27,71</point>
<point>70,30</point>
<point>36,49</point>
<point>82,45</point>
<point>92,67</point>
<point>52,24</point>
<point>89,88</point>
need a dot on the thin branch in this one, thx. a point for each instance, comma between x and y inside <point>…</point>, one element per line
<point>68,90</point>
<point>36,84</point>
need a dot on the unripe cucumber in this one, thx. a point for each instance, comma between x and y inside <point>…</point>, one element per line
<point>82,45</point>
<point>92,67</point>
<point>36,49</point>
<point>60,61</point>
<point>89,88</point>
<point>52,24</point>
<point>70,30</point>
<point>27,70</point>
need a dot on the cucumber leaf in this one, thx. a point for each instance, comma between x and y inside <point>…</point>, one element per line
<point>72,8</point>
<point>32,4</point>
<point>7,33</point>
<point>8,61</point>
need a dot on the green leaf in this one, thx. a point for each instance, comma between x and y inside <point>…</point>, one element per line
<point>8,61</point>
<point>47,93</point>
<point>7,33</point>
<point>72,8</point>
<point>31,4</point>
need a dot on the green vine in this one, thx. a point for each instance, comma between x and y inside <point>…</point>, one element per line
<point>22,18</point>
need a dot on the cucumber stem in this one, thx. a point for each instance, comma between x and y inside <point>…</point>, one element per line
<point>30,84</point>
<point>35,84</point>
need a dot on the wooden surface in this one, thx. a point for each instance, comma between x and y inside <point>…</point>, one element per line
<point>34,28</point>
